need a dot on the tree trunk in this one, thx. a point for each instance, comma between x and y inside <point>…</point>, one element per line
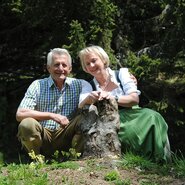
<point>100,125</point>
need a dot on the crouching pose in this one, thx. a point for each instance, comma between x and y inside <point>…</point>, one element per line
<point>48,115</point>
<point>142,130</point>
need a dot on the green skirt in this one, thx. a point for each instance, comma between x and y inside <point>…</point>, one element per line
<point>144,132</point>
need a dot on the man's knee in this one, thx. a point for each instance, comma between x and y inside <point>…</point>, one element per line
<point>27,123</point>
<point>29,133</point>
<point>29,126</point>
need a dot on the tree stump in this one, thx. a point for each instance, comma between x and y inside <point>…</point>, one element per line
<point>99,126</point>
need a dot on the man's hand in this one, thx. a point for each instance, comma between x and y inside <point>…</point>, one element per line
<point>62,120</point>
<point>133,78</point>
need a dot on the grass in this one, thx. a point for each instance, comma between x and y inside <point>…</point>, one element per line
<point>179,166</point>
<point>22,174</point>
<point>39,172</point>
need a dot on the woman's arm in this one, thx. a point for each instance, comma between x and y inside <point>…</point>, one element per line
<point>122,100</point>
<point>128,100</point>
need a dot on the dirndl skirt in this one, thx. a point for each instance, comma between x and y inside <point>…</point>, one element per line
<point>144,132</point>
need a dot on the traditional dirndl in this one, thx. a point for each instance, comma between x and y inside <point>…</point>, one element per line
<point>144,132</point>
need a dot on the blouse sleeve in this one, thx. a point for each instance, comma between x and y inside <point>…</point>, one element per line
<point>86,89</point>
<point>127,82</point>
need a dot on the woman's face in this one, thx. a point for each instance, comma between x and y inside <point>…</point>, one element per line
<point>93,64</point>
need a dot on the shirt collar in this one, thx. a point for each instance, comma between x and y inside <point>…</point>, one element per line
<point>68,81</point>
<point>51,82</point>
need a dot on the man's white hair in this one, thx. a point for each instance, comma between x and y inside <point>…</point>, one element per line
<point>59,51</point>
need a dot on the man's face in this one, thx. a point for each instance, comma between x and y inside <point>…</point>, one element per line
<point>59,68</point>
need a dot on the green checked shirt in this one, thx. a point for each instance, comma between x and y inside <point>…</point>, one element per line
<point>43,95</point>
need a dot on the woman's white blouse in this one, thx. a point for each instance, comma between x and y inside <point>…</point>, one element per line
<point>128,85</point>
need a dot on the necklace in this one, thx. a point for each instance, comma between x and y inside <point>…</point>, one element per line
<point>103,87</point>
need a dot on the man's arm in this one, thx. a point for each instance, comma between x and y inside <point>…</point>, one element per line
<point>23,113</point>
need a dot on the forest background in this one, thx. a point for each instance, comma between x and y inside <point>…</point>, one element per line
<point>146,36</point>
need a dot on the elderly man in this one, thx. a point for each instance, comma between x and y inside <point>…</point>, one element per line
<point>46,113</point>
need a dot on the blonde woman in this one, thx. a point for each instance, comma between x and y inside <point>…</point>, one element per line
<point>142,130</point>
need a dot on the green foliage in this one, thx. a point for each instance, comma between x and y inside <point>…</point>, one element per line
<point>160,106</point>
<point>1,158</point>
<point>129,160</point>
<point>149,173</point>
<point>115,177</point>
<point>16,6</point>
<point>102,25</point>
<point>112,176</point>
<point>56,156</point>
<point>176,168</point>
<point>65,165</point>
<point>172,37</point>
<point>123,182</point>
<point>103,22</point>
<point>77,42</point>
<point>143,66</point>
<point>29,29</point>
<point>72,154</point>
<point>23,174</point>
<point>38,159</point>
<point>76,39</point>
<point>179,166</point>
<point>99,31</point>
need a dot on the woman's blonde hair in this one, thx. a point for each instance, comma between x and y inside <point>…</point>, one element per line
<point>96,50</point>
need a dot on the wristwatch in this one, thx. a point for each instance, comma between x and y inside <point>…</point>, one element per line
<point>116,98</point>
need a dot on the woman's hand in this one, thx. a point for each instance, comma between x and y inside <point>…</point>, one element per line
<point>98,96</point>
<point>93,96</point>
<point>104,95</point>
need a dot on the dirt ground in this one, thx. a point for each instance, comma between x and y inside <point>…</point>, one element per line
<point>94,172</point>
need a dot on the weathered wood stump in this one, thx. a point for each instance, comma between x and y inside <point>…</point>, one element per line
<point>100,125</point>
